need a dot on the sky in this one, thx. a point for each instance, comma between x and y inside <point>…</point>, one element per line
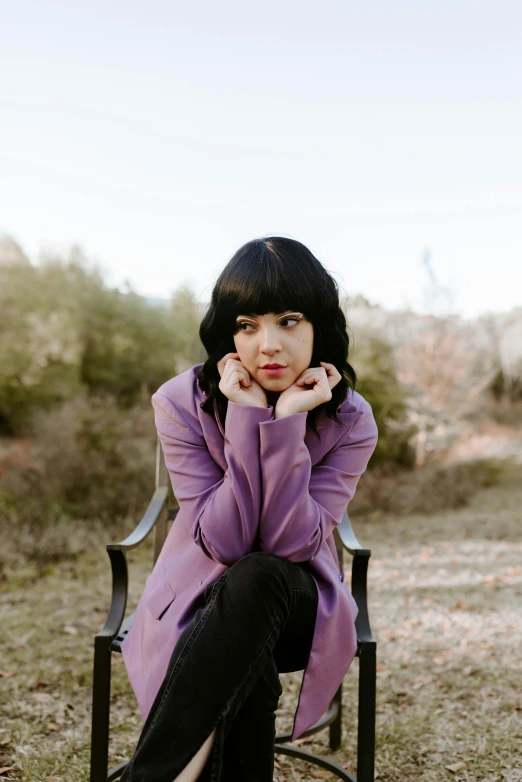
<point>161,136</point>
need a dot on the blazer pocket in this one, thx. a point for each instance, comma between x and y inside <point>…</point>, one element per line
<point>160,598</point>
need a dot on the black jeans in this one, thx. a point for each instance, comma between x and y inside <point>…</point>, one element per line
<point>258,621</point>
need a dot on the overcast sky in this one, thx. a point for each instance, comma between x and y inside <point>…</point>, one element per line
<point>160,136</point>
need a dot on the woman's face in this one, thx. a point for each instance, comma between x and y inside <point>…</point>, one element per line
<point>286,339</point>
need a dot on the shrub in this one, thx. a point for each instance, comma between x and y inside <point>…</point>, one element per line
<point>64,330</point>
<point>89,459</point>
<point>434,488</point>
<point>377,382</point>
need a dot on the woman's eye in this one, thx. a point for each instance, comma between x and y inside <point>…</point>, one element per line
<point>248,328</point>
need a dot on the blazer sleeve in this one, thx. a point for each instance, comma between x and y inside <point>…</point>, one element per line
<point>221,509</point>
<point>301,505</point>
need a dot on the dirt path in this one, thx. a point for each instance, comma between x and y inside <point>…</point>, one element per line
<point>445,597</point>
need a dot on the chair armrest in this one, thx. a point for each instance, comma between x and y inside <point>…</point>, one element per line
<point>348,539</point>
<point>120,581</point>
<point>147,523</point>
<point>361,558</point>
<point>359,590</point>
<point>120,576</point>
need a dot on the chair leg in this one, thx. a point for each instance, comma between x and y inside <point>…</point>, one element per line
<point>366,716</point>
<point>101,692</point>
<point>337,724</point>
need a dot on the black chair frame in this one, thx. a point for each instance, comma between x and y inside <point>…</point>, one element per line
<point>159,512</point>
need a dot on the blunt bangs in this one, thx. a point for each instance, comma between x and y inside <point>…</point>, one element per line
<point>260,280</point>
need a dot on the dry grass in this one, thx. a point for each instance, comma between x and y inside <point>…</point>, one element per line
<point>445,596</point>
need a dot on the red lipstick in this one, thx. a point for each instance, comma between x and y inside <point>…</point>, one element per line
<point>272,370</point>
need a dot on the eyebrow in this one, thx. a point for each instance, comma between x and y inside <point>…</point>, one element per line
<point>253,314</point>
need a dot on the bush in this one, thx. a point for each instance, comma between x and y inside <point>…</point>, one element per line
<point>64,331</point>
<point>377,382</point>
<point>434,488</point>
<point>89,459</point>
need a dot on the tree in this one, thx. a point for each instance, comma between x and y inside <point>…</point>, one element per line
<point>377,380</point>
<point>503,334</point>
<point>185,314</point>
<point>445,376</point>
<point>64,330</point>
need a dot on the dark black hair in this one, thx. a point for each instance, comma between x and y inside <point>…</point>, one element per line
<point>275,274</point>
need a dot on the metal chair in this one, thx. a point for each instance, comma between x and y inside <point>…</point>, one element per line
<point>156,517</point>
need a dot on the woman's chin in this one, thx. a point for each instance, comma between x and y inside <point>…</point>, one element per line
<point>274,384</point>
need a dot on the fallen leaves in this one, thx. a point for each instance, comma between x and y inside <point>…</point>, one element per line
<point>421,681</point>
<point>460,605</point>
<point>40,685</point>
<point>460,766</point>
<point>305,740</point>
<point>410,629</point>
<point>440,660</point>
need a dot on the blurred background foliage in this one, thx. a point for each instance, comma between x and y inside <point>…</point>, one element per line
<point>66,332</point>
<point>79,360</point>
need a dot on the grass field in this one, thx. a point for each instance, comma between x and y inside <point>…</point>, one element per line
<point>445,605</point>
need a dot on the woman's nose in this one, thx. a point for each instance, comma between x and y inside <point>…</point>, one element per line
<point>270,340</point>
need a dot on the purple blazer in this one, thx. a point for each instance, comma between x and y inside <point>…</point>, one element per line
<point>256,483</point>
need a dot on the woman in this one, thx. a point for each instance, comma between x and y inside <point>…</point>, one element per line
<point>265,443</point>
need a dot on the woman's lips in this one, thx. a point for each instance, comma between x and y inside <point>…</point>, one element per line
<point>273,372</point>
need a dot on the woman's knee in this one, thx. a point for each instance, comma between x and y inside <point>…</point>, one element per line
<point>258,568</point>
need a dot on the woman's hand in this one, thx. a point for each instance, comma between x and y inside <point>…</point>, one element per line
<point>237,384</point>
<point>299,397</point>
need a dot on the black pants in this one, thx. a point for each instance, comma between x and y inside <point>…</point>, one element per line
<point>258,621</point>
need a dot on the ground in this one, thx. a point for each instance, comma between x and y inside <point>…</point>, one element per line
<point>444,595</point>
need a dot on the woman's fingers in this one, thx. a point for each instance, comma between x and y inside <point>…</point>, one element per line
<point>332,373</point>
<point>236,383</point>
<point>232,369</point>
<point>234,376</point>
<point>221,363</point>
<point>312,375</point>
<point>244,378</point>
<point>238,373</point>
<point>325,374</point>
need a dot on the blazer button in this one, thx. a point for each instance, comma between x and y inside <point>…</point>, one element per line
<point>341,575</point>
